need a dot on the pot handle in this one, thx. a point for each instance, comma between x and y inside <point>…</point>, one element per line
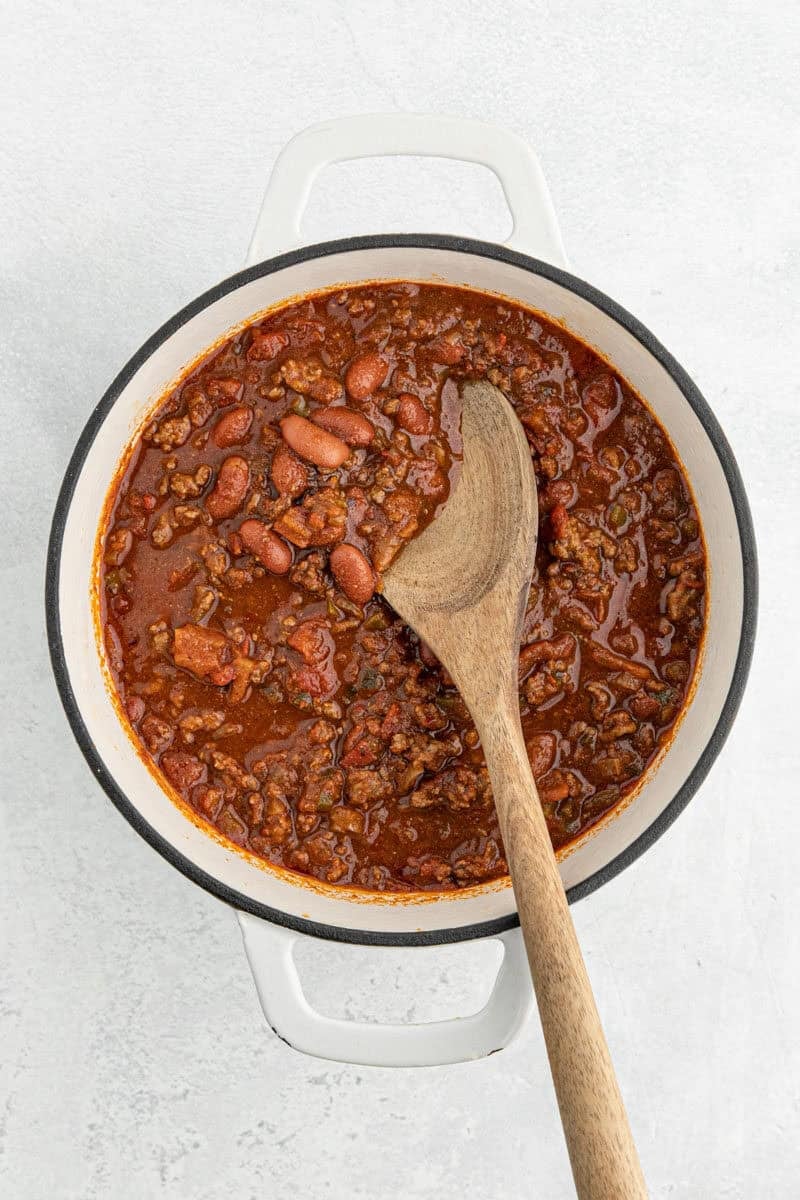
<point>377,135</point>
<point>270,952</point>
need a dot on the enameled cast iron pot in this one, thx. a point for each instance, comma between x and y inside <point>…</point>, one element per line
<point>275,908</point>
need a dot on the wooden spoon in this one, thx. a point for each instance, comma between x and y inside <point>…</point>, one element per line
<point>462,585</point>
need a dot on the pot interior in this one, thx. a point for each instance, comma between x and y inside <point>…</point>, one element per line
<point>246,881</point>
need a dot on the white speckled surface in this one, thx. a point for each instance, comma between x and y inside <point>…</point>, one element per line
<point>135,140</point>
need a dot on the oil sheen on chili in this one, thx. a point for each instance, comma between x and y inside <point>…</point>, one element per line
<point>241,556</point>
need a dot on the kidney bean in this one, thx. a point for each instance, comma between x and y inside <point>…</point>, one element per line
<point>353,573</point>
<point>288,473</point>
<point>183,769</point>
<point>350,426</point>
<point>135,707</point>
<point>412,415</point>
<point>270,550</point>
<point>365,375</point>
<point>233,427</point>
<point>230,489</point>
<point>559,522</point>
<point>313,444</point>
<point>265,346</point>
<point>554,787</point>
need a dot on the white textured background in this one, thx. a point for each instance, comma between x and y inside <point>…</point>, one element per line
<point>135,141</point>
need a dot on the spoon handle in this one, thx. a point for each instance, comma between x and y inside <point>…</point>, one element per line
<point>604,1161</point>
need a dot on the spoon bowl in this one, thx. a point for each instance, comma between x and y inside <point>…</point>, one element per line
<point>470,570</point>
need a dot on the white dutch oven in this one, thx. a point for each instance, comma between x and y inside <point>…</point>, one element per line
<point>276,908</point>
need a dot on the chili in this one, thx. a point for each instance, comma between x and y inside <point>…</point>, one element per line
<point>263,674</point>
